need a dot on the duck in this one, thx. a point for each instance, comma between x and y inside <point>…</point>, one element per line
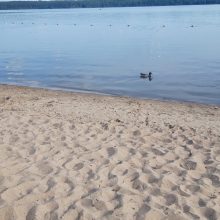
<point>145,75</point>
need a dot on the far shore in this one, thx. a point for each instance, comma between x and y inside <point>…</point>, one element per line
<point>66,155</point>
<point>98,4</point>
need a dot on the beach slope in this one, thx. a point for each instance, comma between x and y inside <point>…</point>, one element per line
<point>80,156</point>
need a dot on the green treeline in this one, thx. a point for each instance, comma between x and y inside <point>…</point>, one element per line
<point>98,3</point>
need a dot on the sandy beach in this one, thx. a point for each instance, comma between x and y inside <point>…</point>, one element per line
<point>80,156</point>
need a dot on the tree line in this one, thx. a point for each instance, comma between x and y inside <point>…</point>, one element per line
<point>97,3</point>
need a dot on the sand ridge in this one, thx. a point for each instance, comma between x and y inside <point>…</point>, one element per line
<point>79,156</point>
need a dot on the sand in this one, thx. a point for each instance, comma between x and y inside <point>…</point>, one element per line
<point>80,156</point>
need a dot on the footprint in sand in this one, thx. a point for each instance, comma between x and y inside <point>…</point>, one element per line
<point>86,203</point>
<point>189,165</point>
<point>140,214</point>
<point>159,151</point>
<point>45,168</point>
<point>50,183</point>
<point>32,150</point>
<point>90,174</point>
<point>112,180</point>
<point>137,133</point>
<point>170,199</point>
<point>31,215</point>
<point>210,214</point>
<point>201,203</point>
<point>78,166</point>
<point>138,185</point>
<point>111,151</point>
<point>99,205</point>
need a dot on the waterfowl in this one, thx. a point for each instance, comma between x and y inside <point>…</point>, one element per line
<point>145,75</point>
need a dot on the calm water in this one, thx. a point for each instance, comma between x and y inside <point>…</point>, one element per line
<point>102,53</point>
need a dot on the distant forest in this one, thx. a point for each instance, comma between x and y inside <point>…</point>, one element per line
<point>98,3</point>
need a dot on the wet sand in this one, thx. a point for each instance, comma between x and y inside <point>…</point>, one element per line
<point>80,156</point>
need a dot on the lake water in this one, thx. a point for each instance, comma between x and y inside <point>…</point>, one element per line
<point>104,50</point>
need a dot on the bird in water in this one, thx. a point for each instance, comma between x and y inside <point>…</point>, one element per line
<point>146,76</point>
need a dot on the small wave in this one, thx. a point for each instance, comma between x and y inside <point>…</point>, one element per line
<point>15,73</point>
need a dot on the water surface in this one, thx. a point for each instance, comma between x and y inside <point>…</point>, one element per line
<point>105,50</point>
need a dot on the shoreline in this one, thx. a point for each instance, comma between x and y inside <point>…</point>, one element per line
<point>66,155</point>
<point>95,93</point>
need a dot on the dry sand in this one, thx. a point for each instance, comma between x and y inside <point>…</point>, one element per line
<point>80,156</point>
